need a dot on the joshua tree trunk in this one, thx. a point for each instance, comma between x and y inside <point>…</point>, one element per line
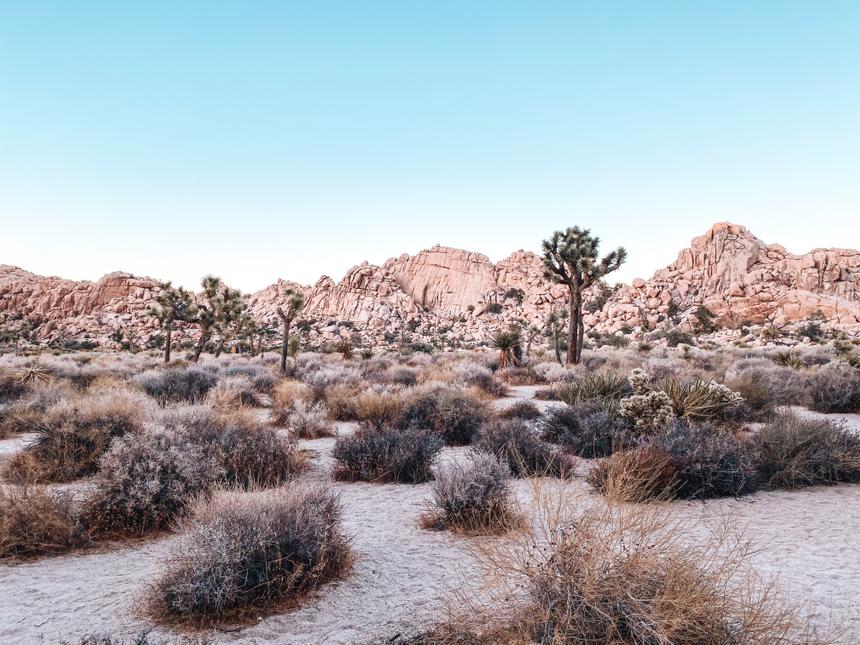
<point>167,343</point>
<point>285,346</point>
<point>573,325</point>
<point>204,338</point>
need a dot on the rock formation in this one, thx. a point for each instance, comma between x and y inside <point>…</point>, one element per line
<point>463,297</point>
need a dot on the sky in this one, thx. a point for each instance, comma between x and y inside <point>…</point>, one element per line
<point>257,140</point>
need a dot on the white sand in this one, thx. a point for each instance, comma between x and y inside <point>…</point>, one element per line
<point>403,577</point>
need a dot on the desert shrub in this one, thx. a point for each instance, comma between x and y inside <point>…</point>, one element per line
<point>482,378</point>
<point>520,410</point>
<point>514,442</point>
<point>553,372</point>
<point>35,522</point>
<point>404,376</point>
<point>243,551</point>
<point>835,388</point>
<point>325,375</point>
<point>284,395</point>
<point>709,463</point>
<point>341,401</point>
<point>262,378</point>
<point>639,475</point>
<point>246,450</point>
<point>12,386</point>
<point>626,574</point>
<point>308,421</point>
<point>234,391</point>
<point>475,498</point>
<point>145,481</point>
<point>794,452</point>
<point>759,401</point>
<point>448,411</point>
<point>701,400</point>
<point>604,385</point>
<point>177,384</point>
<point>73,435</point>
<point>517,376</point>
<point>586,429</point>
<point>379,406</point>
<point>387,454</point>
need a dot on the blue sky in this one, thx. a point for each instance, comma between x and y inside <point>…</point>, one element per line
<point>259,140</point>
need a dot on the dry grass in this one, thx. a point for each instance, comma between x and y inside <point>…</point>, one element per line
<point>74,434</point>
<point>35,522</point>
<point>284,396</point>
<point>619,574</point>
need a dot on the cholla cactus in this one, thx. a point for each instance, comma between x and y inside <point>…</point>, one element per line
<point>639,380</point>
<point>724,394</point>
<point>650,412</point>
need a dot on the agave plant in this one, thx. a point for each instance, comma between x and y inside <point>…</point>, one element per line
<point>508,343</point>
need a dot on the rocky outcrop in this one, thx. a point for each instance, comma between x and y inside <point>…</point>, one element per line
<point>463,297</point>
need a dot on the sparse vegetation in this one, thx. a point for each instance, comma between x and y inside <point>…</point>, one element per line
<point>387,454</point>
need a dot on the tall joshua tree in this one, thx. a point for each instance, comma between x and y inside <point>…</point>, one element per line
<point>570,258</point>
<point>172,305</point>
<point>221,308</point>
<point>294,301</point>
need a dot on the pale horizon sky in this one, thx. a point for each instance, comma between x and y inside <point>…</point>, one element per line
<point>278,139</point>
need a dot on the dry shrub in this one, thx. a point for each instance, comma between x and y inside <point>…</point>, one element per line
<point>177,384</point>
<point>12,386</point>
<point>449,411</point>
<point>284,395</point>
<point>308,421</point>
<point>518,375</point>
<point>73,435</point>
<point>240,553</point>
<point>525,410</point>
<point>686,461</point>
<point>585,429</point>
<point>387,454</point>
<point>379,407</point>
<point>794,452</point>
<point>233,392</point>
<point>640,475</point>
<point>474,499</point>
<point>36,522</point>
<point>835,388</point>
<point>144,482</point>
<point>517,444</point>
<point>619,574</point>
<point>247,450</point>
<point>341,401</point>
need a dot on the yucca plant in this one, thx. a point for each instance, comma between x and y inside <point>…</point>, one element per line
<point>605,386</point>
<point>508,343</point>
<point>787,359</point>
<point>700,400</point>
<point>33,374</point>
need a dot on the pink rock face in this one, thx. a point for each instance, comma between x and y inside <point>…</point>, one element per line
<point>739,277</point>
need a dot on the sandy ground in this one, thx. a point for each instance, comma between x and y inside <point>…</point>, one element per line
<point>404,576</point>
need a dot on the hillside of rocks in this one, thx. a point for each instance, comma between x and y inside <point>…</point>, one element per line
<point>461,297</point>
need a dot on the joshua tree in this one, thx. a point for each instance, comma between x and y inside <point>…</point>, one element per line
<point>570,258</point>
<point>508,343</point>
<point>172,306</point>
<point>295,300</point>
<point>222,309</point>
